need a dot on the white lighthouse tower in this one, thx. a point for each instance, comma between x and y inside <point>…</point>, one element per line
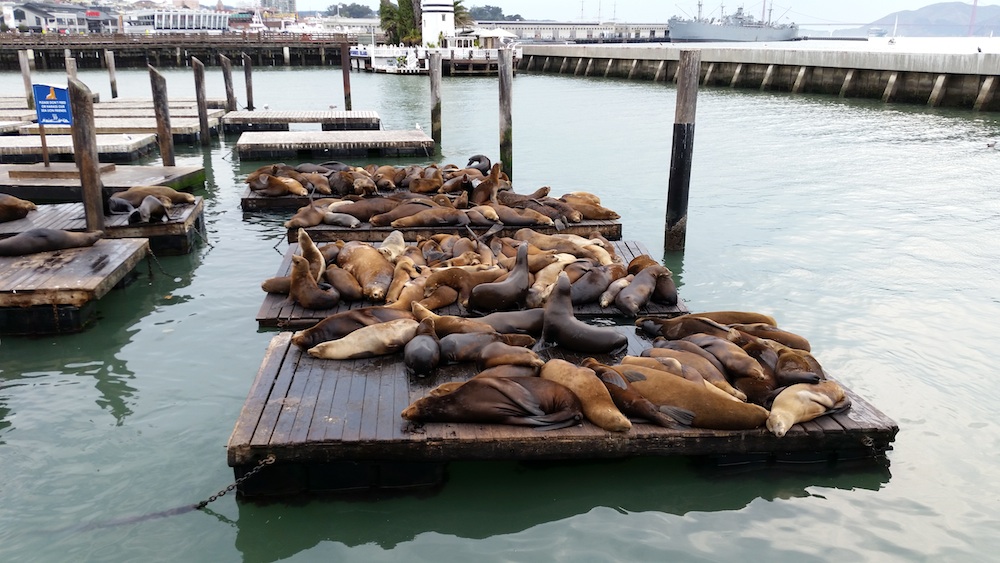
<point>438,21</point>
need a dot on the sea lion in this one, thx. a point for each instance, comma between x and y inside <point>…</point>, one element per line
<point>372,340</point>
<point>771,332</point>
<point>422,353</point>
<point>448,324</point>
<point>519,217</point>
<point>276,186</point>
<point>667,364</point>
<point>461,280</point>
<point>45,240</point>
<point>277,284</point>
<point>731,317</point>
<point>522,401</point>
<point>592,211</point>
<point>304,290</point>
<point>738,363</point>
<point>402,210</point>
<point>136,194</point>
<point>341,220</point>
<point>598,406</point>
<point>401,275</point>
<point>119,206</point>
<point>151,210</point>
<point>797,366</point>
<point>710,410</point>
<point>438,298</point>
<point>560,326</point>
<point>345,284</point>
<point>528,321</point>
<point>638,293</point>
<point>678,327</point>
<point>592,284</point>
<point>803,402</point>
<point>364,209</point>
<point>632,404</point>
<point>341,324</point>
<point>608,297</point>
<point>13,208</point>
<point>306,216</point>
<point>466,346</point>
<point>392,246</point>
<point>499,353</point>
<point>641,262</point>
<point>480,162</point>
<point>486,191</point>
<point>433,217</point>
<point>368,266</point>
<point>507,294</point>
<point>711,373</point>
<point>309,251</point>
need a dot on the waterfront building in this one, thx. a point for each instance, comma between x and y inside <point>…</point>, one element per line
<point>42,17</point>
<point>175,21</point>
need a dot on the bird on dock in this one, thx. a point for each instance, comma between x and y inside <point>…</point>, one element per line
<point>333,107</point>
<point>267,106</point>
<point>419,128</point>
<point>991,145</point>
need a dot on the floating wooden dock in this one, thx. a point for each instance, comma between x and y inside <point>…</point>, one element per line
<point>142,103</point>
<point>336,425</point>
<point>276,311</point>
<point>110,148</point>
<point>60,181</point>
<point>18,115</point>
<point>56,292</point>
<point>176,236</point>
<point>10,127</point>
<point>239,121</point>
<point>611,230</point>
<point>181,128</point>
<point>265,145</point>
<point>175,112</point>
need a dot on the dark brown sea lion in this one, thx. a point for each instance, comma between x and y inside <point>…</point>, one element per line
<point>632,404</point>
<point>466,346</point>
<point>803,402</point>
<point>738,363</point>
<point>345,284</point>
<point>306,216</point>
<point>341,324</point>
<point>638,293</point>
<point>434,217</point>
<point>708,370</point>
<point>676,328</point>
<point>640,262</point>
<point>402,210</point>
<point>731,317</point>
<point>136,194</point>
<point>368,266</point>
<point>509,371</point>
<point>711,410</point>
<point>448,324</point>
<point>365,209</point>
<point>422,353</point>
<point>528,321</point>
<point>598,406</point>
<point>797,366</point>
<point>331,250</point>
<point>372,340</point>
<point>45,240</point>
<point>461,280</point>
<point>592,284</point>
<point>563,328</point>
<point>771,332</point>
<point>519,217</point>
<point>507,294</point>
<point>304,290</point>
<point>151,210</point>
<point>498,354</point>
<point>522,401</point>
<point>13,208</point>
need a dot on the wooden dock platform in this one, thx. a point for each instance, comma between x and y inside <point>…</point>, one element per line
<point>270,120</point>
<point>176,236</point>
<point>142,103</point>
<point>276,312</point>
<point>60,182</point>
<point>266,145</point>
<point>336,425</point>
<point>10,127</point>
<point>110,148</point>
<point>18,115</point>
<point>611,230</point>
<point>56,292</point>
<point>182,128</point>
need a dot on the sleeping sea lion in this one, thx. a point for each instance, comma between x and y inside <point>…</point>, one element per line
<point>448,324</point>
<point>13,208</point>
<point>368,266</point>
<point>341,324</point>
<point>151,210</point>
<point>598,406</point>
<point>803,402</point>
<point>136,194</point>
<point>45,240</point>
<point>632,404</point>
<point>306,216</point>
<point>372,340</point>
<point>422,353</point>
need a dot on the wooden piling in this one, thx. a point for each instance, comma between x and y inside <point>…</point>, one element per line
<point>70,67</point>
<point>85,152</point>
<point>545,65</point>
<point>248,77</point>
<point>227,78</point>
<point>109,58</point>
<point>682,150</point>
<point>435,73</point>
<point>22,58</point>
<point>322,55</point>
<point>286,55</point>
<point>161,107</point>
<point>199,91</point>
<point>345,64</point>
<point>506,70</point>
<point>31,59</point>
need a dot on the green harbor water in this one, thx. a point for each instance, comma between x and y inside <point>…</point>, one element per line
<point>868,228</point>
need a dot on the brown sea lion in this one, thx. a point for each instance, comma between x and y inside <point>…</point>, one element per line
<point>528,321</point>
<point>151,210</point>
<point>277,284</point>
<point>638,293</point>
<point>486,190</point>
<point>434,217</point>
<point>803,402</point>
<point>632,404</point>
<point>13,208</point>
<point>598,406</point>
<point>499,353</point>
<point>368,266</point>
<point>466,346</point>
<point>522,401</point>
<point>135,194</point>
<point>678,327</point>
<point>706,368</point>
<point>592,284</point>
<point>448,324</point>
<point>461,280</point>
<point>422,353</point>
<point>640,262</point>
<point>797,366</point>
<point>306,216</point>
<point>372,340</point>
<point>402,210</point>
<point>710,410</point>
<point>341,324</point>
<point>563,328</point>
<point>507,294</point>
<point>771,332</point>
<point>509,371</point>
<point>366,208</point>
<point>304,290</point>
<point>345,284</point>
<point>274,186</point>
<point>668,364</point>
<point>591,211</point>
<point>731,317</point>
<point>45,240</point>
<point>309,251</point>
<point>440,297</point>
<point>738,363</point>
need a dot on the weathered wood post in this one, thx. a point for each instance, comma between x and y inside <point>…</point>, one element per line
<point>506,71</point>
<point>248,76</point>
<point>199,90</point>
<point>345,64</point>
<point>22,58</point>
<point>435,72</point>
<point>227,78</point>
<point>682,150</point>
<point>70,67</point>
<point>161,107</point>
<point>109,58</point>
<point>85,154</point>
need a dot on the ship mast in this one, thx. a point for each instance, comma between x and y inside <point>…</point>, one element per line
<point>699,10</point>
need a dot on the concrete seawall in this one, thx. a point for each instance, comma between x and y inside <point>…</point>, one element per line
<point>948,80</point>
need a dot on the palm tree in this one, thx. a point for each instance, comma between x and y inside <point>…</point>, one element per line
<point>463,18</point>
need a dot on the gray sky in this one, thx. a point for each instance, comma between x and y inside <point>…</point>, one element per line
<point>655,11</point>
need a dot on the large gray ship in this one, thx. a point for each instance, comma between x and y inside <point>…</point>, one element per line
<point>739,26</point>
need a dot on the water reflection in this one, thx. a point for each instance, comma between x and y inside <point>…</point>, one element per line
<point>527,495</point>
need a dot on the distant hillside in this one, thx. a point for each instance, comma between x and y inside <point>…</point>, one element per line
<point>947,19</point>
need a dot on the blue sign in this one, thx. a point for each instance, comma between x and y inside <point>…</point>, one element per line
<point>52,105</point>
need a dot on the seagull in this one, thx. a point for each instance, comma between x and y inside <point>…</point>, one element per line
<point>991,145</point>
<point>333,106</point>
<point>267,106</point>
<point>127,136</point>
<point>419,128</point>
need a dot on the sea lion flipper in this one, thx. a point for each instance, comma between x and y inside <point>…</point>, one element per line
<point>632,376</point>
<point>841,406</point>
<point>545,427</point>
<point>681,416</point>
<point>612,377</point>
<point>516,393</point>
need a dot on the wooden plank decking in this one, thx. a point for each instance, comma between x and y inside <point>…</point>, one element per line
<point>10,127</point>
<point>182,128</point>
<point>611,230</point>
<point>323,418</point>
<point>238,121</point>
<point>63,186</point>
<point>176,236</point>
<point>254,145</point>
<point>276,311</point>
<point>54,291</point>
<point>110,148</point>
